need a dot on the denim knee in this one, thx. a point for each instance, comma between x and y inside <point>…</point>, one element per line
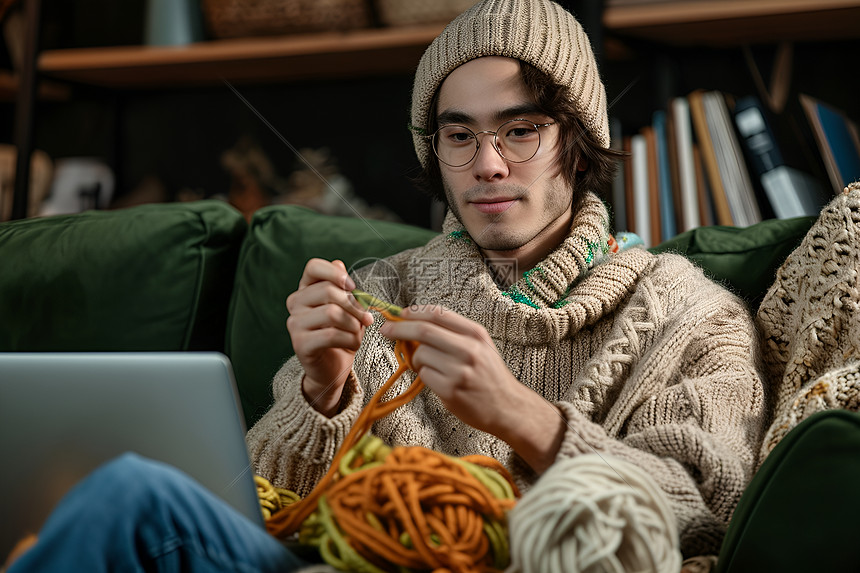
<point>131,481</point>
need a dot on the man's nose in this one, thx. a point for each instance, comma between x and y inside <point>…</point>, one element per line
<point>489,162</point>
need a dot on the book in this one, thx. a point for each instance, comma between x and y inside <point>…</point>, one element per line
<point>756,133</point>
<point>654,226</point>
<point>837,138</point>
<point>629,201</point>
<point>793,193</point>
<point>706,145</point>
<point>707,211</point>
<point>640,188</point>
<point>672,152</point>
<point>687,177</point>
<point>619,200</point>
<point>788,191</point>
<point>665,195</point>
<point>731,164</point>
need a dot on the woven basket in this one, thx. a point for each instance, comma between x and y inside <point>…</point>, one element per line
<point>406,12</point>
<point>240,18</point>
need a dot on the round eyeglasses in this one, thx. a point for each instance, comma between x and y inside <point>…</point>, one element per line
<point>517,141</point>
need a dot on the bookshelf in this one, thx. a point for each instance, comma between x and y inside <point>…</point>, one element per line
<point>333,55</point>
<point>733,22</point>
<point>380,52</point>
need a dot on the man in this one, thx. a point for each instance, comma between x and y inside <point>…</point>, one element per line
<point>630,355</point>
<point>535,343</point>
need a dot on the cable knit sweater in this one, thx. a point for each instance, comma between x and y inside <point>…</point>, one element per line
<point>647,359</point>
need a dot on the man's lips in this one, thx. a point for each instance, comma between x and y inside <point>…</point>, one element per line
<point>493,206</point>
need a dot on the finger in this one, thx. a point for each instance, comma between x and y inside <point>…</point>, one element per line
<point>453,345</point>
<point>316,341</point>
<point>437,381</point>
<point>426,356</point>
<point>443,317</point>
<point>326,316</point>
<point>325,293</point>
<point>317,270</point>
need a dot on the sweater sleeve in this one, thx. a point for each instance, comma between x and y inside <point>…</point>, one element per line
<point>691,410</point>
<point>293,445</point>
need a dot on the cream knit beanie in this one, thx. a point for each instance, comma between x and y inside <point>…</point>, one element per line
<point>539,32</point>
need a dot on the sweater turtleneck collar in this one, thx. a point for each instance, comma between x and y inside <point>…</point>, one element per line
<point>548,283</point>
<point>565,291</point>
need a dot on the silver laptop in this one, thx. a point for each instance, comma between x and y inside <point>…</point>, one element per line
<point>64,414</point>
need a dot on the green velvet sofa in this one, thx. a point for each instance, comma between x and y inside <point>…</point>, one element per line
<point>196,276</point>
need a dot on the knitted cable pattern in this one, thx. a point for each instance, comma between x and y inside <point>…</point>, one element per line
<point>593,514</point>
<point>810,323</point>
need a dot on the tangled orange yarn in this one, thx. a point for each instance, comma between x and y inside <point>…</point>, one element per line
<point>415,508</point>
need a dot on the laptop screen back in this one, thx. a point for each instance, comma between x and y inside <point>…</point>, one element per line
<point>64,414</point>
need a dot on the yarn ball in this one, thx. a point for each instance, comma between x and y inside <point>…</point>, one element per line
<point>593,514</point>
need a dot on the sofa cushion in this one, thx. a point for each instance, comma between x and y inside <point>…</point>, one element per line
<point>281,239</point>
<point>153,277</point>
<point>799,512</point>
<point>744,259</point>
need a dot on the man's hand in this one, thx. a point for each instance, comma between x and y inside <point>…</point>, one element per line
<point>458,360</point>
<point>326,325</point>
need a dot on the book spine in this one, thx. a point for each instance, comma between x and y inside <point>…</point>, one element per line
<point>690,218</point>
<point>641,202</point>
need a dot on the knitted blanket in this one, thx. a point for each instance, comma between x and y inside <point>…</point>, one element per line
<point>810,323</point>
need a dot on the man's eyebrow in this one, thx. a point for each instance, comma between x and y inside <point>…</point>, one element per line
<point>518,111</point>
<point>450,116</point>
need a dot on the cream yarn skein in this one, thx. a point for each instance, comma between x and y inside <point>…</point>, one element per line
<point>593,514</point>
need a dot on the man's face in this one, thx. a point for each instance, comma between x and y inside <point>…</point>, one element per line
<point>504,206</point>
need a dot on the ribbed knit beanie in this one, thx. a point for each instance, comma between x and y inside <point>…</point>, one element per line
<point>539,32</point>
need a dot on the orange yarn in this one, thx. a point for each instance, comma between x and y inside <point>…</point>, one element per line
<point>415,508</point>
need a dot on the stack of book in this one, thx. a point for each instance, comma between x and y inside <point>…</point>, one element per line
<point>711,159</point>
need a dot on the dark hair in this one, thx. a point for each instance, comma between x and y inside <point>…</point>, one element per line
<point>574,140</point>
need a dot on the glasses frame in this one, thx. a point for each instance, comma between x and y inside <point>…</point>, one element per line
<point>432,138</point>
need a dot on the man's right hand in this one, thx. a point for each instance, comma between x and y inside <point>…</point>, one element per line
<point>326,325</point>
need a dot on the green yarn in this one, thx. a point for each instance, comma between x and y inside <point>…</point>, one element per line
<point>460,235</point>
<point>590,256</point>
<point>528,273</point>
<point>563,300</point>
<point>515,294</point>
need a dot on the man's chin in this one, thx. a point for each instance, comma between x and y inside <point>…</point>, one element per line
<point>497,242</point>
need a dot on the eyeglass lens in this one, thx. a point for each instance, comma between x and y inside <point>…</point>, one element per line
<point>516,141</point>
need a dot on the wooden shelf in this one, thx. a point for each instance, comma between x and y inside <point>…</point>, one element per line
<point>46,91</point>
<point>334,55</point>
<point>733,22</point>
<point>375,52</point>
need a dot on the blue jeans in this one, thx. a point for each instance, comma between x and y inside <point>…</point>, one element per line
<point>135,515</point>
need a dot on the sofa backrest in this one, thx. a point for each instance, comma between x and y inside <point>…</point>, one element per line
<point>743,259</point>
<point>154,277</point>
<point>195,276</point>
